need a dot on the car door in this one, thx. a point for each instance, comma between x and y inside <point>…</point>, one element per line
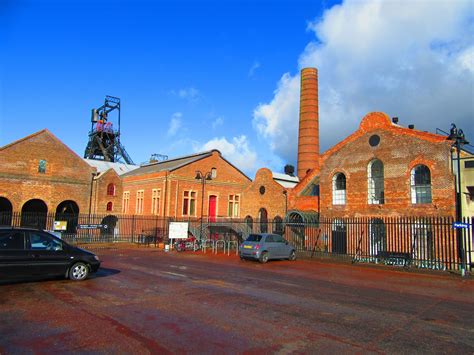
<point>49,254</point>
<point>271,247</point>
<point>281,247</point>
<point>15,261</point>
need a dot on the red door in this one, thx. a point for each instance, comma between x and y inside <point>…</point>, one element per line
<point>212,208</point>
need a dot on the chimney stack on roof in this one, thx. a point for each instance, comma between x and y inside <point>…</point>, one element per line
<point>308,134</point>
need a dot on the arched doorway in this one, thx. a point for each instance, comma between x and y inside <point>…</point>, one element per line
<point>34,214</point>
<point>378,236</point>
<point>263,217</point>
<point>339,237</point>
<point>110,226</point>
<point>278,225</point>
<point>6,211</point>
<point>68,211</point>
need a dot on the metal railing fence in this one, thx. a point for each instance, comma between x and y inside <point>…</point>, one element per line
<point>425,242</point>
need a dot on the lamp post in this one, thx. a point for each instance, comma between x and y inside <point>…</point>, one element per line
<point>457,135</point>
<point>202,177</point>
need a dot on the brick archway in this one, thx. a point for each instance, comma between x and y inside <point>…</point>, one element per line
<point>34,214</point>
<point>6,211</point>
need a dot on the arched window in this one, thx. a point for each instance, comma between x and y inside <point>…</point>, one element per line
<point>111,189</point>
<point>420,182</point>
<point>110,206</point>
<point>375,182</point>
<point>339,189</point>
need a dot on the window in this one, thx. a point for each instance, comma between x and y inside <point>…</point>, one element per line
<point>189,203</point>
<point>42,241</point>
<point>254,238</point>
<point>155,201</point>
<point>139,208</point>
<point>234,203</point>
<point>375,182</point>
<point>110,206</point>
<point>42,166</point>
<point>10,240</point>
<point>420,181</point>
<point>126,201</point>
<point>339,189</point>
<point>111,190</point>
<point>470,194</point>
<point>213,173</point>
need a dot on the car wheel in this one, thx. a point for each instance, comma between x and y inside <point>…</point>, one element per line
<point>264,257</point>
<point>292,256</point>
<point>78,272</point>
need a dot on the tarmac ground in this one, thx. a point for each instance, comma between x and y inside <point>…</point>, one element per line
<point>150,301</point>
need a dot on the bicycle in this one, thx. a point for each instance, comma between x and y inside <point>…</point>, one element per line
<point>187,244</point>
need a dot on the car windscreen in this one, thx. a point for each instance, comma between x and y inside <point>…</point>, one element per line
<point>254,238</point>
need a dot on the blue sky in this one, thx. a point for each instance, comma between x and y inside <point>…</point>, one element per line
<point>195,75</point>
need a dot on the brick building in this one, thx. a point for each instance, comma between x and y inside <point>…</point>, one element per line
<point>382,169</point>
<point>39,174</point>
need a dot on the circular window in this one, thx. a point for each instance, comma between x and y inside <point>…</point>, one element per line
<point>262,190</point>
<point>374,140</point>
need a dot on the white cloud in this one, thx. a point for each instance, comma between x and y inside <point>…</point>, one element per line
<point>190,94</point>
<point>253,68</point>
<point>414,60</point>
<point>219,121</point>
<point>236,151</point>
<point>175,123</point>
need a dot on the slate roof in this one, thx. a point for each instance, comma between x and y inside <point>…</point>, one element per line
<point>285,180</point>
<point>102,166</point>
<point>168,165</point>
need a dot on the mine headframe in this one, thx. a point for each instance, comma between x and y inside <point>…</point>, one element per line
<point>104,139</point>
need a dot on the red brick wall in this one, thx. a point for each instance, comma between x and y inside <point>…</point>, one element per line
<point>101,197</point>
<point>67,176</point>
<point>399,150</point>
<point>273,199</point>
<point>228,181</point>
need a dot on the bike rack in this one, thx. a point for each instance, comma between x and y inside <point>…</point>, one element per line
<point>233,243</point>
<point>217,243</point>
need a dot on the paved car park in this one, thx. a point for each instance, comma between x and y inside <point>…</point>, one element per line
<point>149,301</point>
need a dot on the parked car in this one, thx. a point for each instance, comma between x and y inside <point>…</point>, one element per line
<point>264,247</point>
<point>27,253</point>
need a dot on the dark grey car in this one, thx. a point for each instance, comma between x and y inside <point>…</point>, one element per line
<point>264,246</point>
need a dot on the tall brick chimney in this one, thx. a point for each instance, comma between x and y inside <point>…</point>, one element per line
<point>308,134</point>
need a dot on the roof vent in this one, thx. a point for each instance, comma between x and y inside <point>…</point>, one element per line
<point>395,120</point>
<point>411,126</point>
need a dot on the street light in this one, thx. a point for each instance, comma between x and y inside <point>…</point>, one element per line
<point>203,177</point>
<point>457,135</point>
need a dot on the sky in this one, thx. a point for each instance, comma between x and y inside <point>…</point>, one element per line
<point>200,75</point>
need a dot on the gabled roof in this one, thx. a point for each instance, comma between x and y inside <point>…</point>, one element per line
<point>177,163</point>
<point>51,136</point>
